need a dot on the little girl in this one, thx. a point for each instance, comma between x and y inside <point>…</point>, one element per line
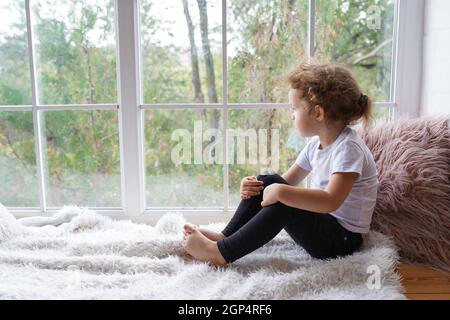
<point>327,220</point>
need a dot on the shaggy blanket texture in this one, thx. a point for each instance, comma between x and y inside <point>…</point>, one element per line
<point>413,204</point>
<point>90,256</point>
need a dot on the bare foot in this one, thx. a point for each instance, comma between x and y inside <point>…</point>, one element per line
<point>211,235</point>
<point>203,249</point>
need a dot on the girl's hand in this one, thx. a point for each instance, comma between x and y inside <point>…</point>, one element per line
<point>270,195</point>
<point>250,187</point>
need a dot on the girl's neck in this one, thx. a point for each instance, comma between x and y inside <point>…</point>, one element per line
<point>329,135</point>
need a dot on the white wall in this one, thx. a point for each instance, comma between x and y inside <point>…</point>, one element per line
<point>436,59</point>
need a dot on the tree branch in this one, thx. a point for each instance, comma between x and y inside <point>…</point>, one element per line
<point>373,53</point>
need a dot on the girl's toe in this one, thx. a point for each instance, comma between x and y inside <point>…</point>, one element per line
<point>189,228</point>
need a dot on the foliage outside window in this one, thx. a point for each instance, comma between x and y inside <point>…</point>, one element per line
<point>182,63</point>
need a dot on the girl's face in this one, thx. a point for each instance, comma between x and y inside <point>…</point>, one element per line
<point>304,122</point>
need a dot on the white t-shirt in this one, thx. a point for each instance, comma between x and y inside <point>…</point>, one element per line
<point>348,153</point>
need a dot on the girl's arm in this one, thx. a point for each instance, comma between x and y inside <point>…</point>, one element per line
<point>295,175</point>
<point>316,200</point>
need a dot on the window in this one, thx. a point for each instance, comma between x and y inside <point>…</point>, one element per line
<point>177,174</point>
<point>81,158</point>
<point>17,160</point>
<point>144,105</point>
<point>18,171</point>
<point>66,107</point>
<point>359,34</point>
<point>182,65</point>
<point>15,71</point>
<point>75,51</point>
<point>265,39</point>
<point>181,50</point>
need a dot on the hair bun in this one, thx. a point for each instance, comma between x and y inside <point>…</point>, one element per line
<point>363,100</point>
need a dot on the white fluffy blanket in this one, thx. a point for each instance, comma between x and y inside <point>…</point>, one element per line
<point>94,257</point>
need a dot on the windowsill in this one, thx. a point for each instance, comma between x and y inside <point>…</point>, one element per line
<point>200,216</point>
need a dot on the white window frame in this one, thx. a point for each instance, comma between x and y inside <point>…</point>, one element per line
<point>405,99</point>
<point>408,59</point>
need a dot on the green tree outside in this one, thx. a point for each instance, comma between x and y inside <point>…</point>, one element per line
<point>76,64</point>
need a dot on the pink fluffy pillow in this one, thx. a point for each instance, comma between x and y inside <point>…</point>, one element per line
<point>413,204</point>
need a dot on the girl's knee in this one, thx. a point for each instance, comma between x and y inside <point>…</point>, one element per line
<point>271,179</point>
<point>281,211</point>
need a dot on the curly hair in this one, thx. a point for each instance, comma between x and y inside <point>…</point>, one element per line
<point>334,88</point>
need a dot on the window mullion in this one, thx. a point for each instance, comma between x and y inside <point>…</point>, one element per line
<point>36,113</point>
<point>311,30</point>
<point>311,49</point>
<point>392,92</point>
<point>409,23</point>
<point>225,109</point>
<point>130,115</point>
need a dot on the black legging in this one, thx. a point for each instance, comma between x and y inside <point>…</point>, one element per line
<point>252,226</point>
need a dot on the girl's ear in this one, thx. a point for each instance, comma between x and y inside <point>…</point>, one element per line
<point>319,112</point>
